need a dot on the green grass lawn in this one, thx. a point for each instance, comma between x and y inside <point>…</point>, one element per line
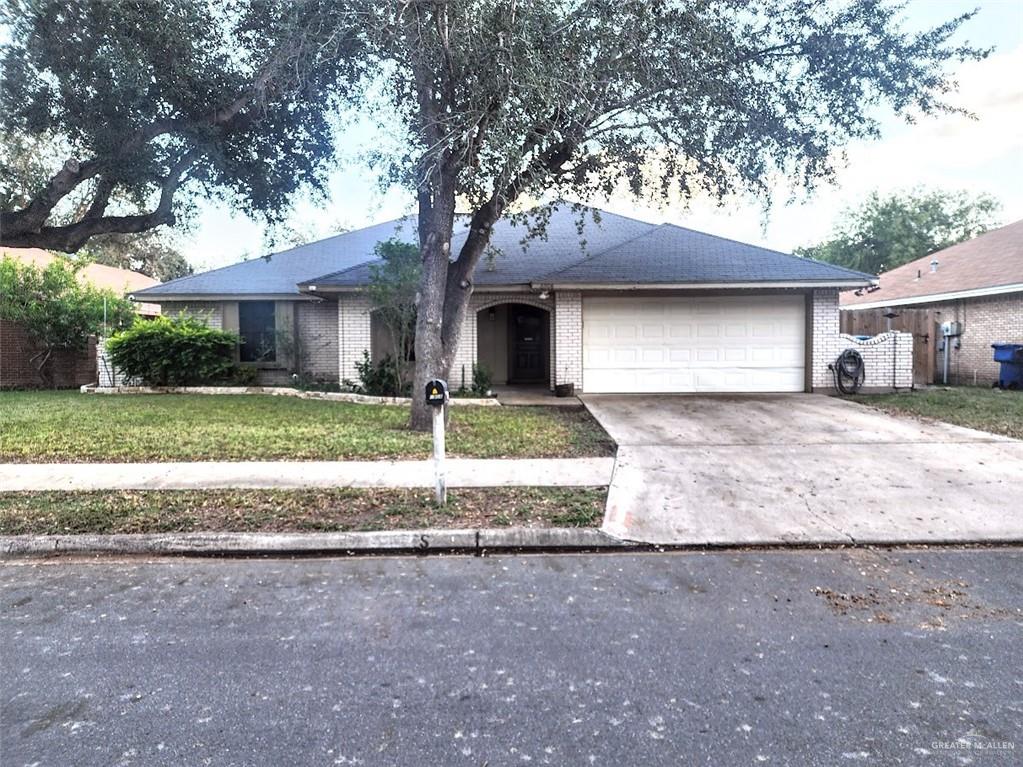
<point>166,511</point>
<point>69,426</point>
<point>999,412</point>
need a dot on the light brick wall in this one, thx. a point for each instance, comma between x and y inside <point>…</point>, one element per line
<point>985,320</point>
<point>568,338</point>
<point>108,374</point>
<point>353,332</point>
<point>316,326</point>
<point>887,358</point>
<point>211,312</point>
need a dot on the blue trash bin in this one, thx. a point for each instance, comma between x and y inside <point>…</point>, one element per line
<point>1010,357</point>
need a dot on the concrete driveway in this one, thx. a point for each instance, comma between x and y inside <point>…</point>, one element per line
<point>802,468</point>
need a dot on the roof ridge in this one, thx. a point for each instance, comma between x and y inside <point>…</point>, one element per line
<point>339,272</point>
<point>776,252</point>
<point>653,228</point>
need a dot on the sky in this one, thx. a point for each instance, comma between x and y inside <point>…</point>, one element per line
<point>982,155</point>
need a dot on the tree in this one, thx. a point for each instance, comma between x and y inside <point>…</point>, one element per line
<point>56,309</point>
<point>497,101</point>
<point>116,114</point>
<point>393,284</point>
<point>149,253</point>
<point>885,232</point>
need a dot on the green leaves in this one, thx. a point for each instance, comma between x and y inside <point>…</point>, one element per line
<point>888,231</point>
<point>145,101</point>
<point>58,310</point>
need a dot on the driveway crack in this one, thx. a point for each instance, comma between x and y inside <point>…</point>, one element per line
<point>820,517</point>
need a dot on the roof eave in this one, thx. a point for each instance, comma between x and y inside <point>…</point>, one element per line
<point>773,284</point>
<point>157,298</point>
<point>935,298</point>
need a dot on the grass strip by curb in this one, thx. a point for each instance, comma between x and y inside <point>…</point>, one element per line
<point>334,510</point>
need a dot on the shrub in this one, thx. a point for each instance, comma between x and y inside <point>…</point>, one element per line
<point>481,380</point>
<point>174,352</point>
<point>379,378</point>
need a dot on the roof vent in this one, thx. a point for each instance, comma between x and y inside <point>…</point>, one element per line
<point>934,265</point>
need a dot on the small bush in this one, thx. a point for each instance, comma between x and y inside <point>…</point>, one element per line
<point>243,375</point>
<point>481,380</point>
<point>174,352</point>
<point>379,379</point>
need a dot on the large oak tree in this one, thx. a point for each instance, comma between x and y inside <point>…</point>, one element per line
<point>500,100</point>
<point>116,114</point>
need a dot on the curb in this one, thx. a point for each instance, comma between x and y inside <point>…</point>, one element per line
<point>427,541</point>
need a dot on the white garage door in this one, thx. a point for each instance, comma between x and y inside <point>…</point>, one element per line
<point>715,344</point>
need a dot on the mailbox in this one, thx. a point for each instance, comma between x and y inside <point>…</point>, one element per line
<point>436,392</point>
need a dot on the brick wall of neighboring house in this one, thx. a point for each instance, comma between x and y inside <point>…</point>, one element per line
<point>887,358</point>
<point>69,369</point>
<point>985,320</point>
<point>316,326</point>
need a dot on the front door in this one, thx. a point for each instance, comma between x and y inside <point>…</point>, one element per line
<point>528,348</point>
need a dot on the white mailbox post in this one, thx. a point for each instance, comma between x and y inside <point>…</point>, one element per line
<point>437,398</point>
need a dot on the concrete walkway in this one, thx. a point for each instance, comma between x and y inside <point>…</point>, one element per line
<point>461,472</point>
<point>805,469</point>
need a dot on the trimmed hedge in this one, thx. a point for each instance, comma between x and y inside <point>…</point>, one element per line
<point>182,351</point>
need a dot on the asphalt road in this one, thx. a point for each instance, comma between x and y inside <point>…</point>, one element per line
<point>730,658</point>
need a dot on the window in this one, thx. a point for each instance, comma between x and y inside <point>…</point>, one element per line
<point>257,325</point>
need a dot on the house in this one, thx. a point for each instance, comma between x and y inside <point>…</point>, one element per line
<point>614,305</point>
<point>977,283</point>
<point>69,368</point>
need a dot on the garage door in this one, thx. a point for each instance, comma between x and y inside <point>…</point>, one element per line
<point>714,344</point>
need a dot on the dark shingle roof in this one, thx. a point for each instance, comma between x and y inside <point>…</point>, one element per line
<point>280,273</point>
<point>580,246</point>
<point>674,254</point>
<point>515,259</point>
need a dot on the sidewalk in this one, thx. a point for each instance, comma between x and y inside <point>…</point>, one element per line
<point>461,472</point>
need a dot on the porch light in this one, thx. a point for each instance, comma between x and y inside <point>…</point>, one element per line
<point>544,295</point>
<point>492,314</point>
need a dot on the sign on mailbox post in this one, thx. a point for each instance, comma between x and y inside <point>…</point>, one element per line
<point>437,397</point>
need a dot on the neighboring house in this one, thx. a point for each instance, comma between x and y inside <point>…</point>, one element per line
<point>978,283</point>
<point>120,281</point>
<point>69,369</point>
<point>623,306</point>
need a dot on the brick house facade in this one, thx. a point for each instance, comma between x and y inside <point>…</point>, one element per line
<point>638,308</point>
<point>336,334</point>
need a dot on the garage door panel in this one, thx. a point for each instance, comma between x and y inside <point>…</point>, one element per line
<point>722,344</point>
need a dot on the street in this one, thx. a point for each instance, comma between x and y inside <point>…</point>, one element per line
<point>801,657</point>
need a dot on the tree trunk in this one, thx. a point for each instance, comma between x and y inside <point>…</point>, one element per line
<point>446,290</point>
<point>433,360</point>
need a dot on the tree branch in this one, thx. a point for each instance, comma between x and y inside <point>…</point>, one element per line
<point>71,237</point>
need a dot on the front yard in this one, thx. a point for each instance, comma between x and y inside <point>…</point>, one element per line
<point>72,427</point>
<point>341,510</point>
<point>999,412</point>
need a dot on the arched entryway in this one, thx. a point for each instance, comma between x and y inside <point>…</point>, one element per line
<point>513,343</point>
